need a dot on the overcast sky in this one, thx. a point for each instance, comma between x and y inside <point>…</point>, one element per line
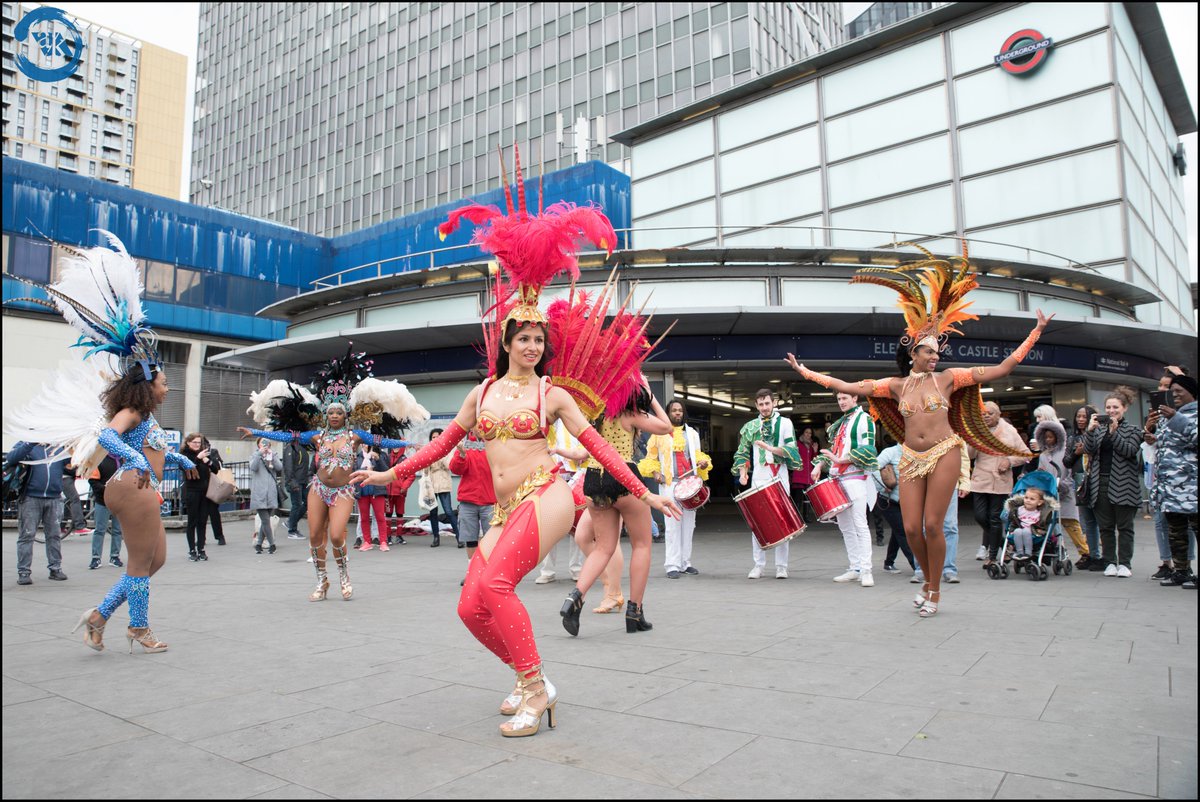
<point>175,26</point>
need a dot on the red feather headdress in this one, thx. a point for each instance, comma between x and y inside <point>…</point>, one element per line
<point>532,249</point>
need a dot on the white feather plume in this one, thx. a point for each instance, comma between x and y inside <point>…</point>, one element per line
<point>275,391</point>
<point>66,415</point>
<point>392,396</point>
<point>104,284</point>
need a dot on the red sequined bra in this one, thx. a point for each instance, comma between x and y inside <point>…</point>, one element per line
<point>523,424</point>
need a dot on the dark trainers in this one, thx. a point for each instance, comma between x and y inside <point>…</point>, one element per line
<point>1176,579</point>
<point>672,575</point>
<point>271,549</point>
<point>1189,583</point>
<point>57,575</point>
<point>692,571</point>
<point>94,564</point>
<point>24,579</point>
<point>1164,572</point>
<point>115,562</point>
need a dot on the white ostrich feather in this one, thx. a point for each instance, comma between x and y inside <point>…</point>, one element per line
<point>392,396</point>
<point>99,291</point>
<point>66,415</point>
<point>275,391</point>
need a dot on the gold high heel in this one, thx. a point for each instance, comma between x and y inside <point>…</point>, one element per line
<point>528,718</point>
<point>513,701</point>
<point>322,577</point>
<point>97,630</point>
<point>145,637</point>
<point>610,605</point>
<point>343,572</point>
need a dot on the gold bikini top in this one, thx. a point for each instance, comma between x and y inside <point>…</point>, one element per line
<point>930,402</point>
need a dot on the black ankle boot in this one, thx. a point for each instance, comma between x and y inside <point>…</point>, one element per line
<point>570,611</point>
<point>437,541</point>
<point>635,618</point>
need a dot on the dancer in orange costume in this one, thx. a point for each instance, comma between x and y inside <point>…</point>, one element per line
<point>930,413</point>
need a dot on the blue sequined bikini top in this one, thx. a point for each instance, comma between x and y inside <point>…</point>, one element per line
<point>149,433</point>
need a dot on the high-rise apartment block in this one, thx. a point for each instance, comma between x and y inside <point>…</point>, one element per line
<point>118,117</point>
<point>334,116</point>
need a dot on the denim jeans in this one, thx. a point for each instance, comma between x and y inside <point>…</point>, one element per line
<point>898,541</point>
<point>447,510</point>
<point>104,518</point>
<point>32,511</point>
<point>1163,536</point>
<point>1091,529</point>
<point>299,504</point>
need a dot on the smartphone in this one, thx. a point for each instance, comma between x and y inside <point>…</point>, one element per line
<point>1103,420</point>
<point>1160,398</point>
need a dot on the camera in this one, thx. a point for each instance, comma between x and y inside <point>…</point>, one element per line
<point>1103,420</point>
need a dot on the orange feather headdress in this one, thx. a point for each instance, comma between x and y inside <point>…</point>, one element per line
<point>947,280</point>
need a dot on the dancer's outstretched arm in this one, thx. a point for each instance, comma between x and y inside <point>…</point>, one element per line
<point>877,386</point>
<point>990,373</point>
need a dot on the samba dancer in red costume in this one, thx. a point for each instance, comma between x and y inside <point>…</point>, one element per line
<point>930,413</point>
<point>512,411</point>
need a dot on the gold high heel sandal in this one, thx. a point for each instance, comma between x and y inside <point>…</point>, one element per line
<point>610,605</point>
<point>145,637</point>
<point>93,635</point>
<point>322,577</point>
<point>343,573</point>
<point>528,718</point>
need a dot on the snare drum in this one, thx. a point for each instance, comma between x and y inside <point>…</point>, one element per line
<point>770,514</point>
<point>691,493</point>
<point>827,498</point>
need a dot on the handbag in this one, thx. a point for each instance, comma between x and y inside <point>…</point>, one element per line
<point>427,499</point>
<point>220,486</point>
<point>1084,491</point>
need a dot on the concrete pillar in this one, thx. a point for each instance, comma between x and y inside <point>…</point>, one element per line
<point>191,387</point>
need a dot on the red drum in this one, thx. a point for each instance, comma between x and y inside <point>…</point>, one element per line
<point>770,514</point>
<point>827,499</point>
<point>691,493</point>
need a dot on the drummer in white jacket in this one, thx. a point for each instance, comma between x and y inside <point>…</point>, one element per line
<point>766,453</point>
<point>850,459</point>
<point>668,458</point>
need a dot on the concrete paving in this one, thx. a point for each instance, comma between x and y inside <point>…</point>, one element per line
<point>1080,686</point>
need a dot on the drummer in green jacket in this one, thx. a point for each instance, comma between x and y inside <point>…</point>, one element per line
<point>767,453</point>
<point>850,459</point>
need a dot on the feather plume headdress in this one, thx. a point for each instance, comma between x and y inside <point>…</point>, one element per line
<point>532,249</point>
<point>284,406</point>
<point>384,407</point>
<point>100,295</point>
<point>599,365</point>
<point>67,416</point>
<point>947,280</point>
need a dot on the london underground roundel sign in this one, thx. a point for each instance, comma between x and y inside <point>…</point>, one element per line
<point>1024,52</point>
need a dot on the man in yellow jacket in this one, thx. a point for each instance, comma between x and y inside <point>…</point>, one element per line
<point>668,458</point>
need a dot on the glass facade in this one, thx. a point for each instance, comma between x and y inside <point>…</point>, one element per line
<point>342,116</point>
<point>929,140</point>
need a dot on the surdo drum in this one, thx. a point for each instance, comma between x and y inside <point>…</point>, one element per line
<point>770,514</point>
<point>827,498</point>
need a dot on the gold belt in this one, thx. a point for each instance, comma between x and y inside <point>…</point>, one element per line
<point>916,464</point>
<point>539,478</point>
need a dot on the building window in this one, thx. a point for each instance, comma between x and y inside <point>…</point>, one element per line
<point>31,259</point>
<point>19,149</point>
<point>42,157</point>
<point>92,166</point>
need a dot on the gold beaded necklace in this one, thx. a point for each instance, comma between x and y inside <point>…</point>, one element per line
<point>513,388</point>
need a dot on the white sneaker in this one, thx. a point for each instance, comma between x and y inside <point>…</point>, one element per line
<point>867,580</point>
<point>981,555</point>
<point>1123,571</point>
<point>780,572</point>
<point>915,579</point>
<point>544,579</point>
<point>849,576</point>
<point>755,573</point>
<point>575,576</point>
<point>1110,570</point>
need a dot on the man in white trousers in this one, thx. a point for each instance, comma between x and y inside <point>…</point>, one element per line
<point>766,453</point>
<point>670,457</point>
<point>566,451</point>
<point>850,459</point>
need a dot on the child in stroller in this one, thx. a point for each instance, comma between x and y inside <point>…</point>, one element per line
<point>1031,524</point>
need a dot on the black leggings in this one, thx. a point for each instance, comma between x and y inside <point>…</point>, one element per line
<point>196,503</point>
<point>988,507</point>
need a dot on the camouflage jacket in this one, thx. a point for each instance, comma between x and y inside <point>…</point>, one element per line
<point>1175,481</point>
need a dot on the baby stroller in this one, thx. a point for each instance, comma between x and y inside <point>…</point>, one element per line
<point>1050,553</point>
